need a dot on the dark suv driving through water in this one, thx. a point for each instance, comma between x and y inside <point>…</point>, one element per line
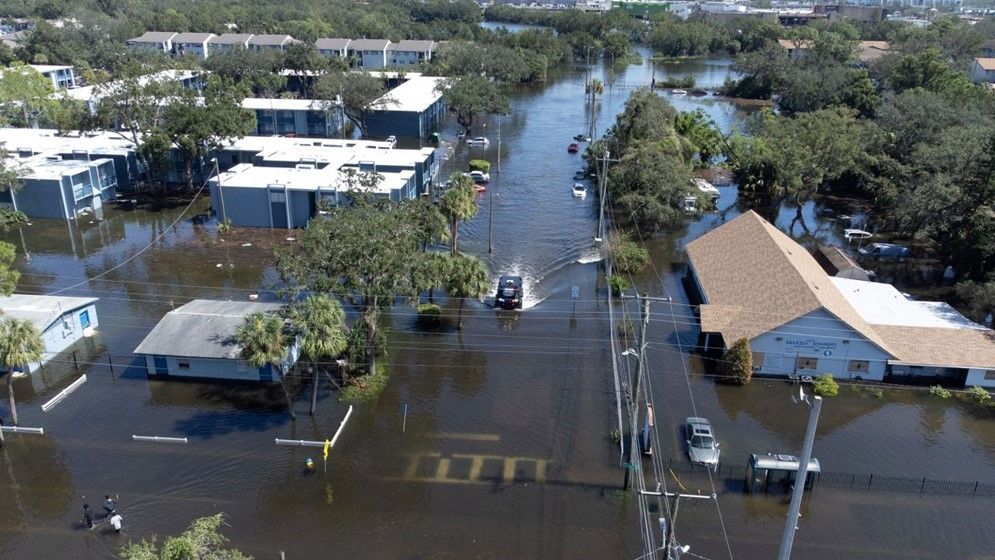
<point>509,293</point>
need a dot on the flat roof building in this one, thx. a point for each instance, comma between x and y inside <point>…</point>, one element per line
<point>409,110</point>
<point>298,117</point>
<point>198,340</point>
<point>755,282</point>
<point>57,188</point>
<point>61,320</point>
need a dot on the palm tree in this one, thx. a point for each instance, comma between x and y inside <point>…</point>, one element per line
<point>20,344</point>
<point>320,323</point>
<point>264,342</point>
<point>459,204</point>
<point>467,277</point>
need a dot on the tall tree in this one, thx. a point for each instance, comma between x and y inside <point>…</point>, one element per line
<point>23,87</point>
<point>471,96</point>
<point>20,344</point>
<point>458,204</point>
<point>467,277</point>
<point>201,541</point>
<point>364,252</point>
<point>265,341</point>
<point>430,223</point>
<point>352,93</point>
<point>320,323</point>
<point>199,126</point>
<point>10,180</point>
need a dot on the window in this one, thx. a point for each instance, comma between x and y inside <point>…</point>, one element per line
<point>806,363</point>
<point>858,366</point>
<point>84,319</point>
<point>183,365</point>
<point>990,375</point>
<point>758,360</point>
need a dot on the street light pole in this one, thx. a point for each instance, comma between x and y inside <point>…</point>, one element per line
<point>791,524</point>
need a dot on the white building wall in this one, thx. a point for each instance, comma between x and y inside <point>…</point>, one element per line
<point>821,337</point>
<point>980,378</point>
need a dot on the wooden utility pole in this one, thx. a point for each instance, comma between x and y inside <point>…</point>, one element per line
<point>636,392</point>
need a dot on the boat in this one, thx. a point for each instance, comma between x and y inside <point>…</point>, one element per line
<point>573,148</point>
<point>678,92</point>
<point>478,141</point>
<point>851,234</point>
<point>579,191</point>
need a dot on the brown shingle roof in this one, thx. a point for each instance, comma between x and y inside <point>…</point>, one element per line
<point>986,63</point>
<point>872,50</point>
<point>755,279</point>
<point>793,44</point>
<point>929,346</point>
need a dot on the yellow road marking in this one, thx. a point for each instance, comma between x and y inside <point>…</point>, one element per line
<point>442,472</point>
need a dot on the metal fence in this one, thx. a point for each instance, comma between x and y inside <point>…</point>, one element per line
<point>733,476</point>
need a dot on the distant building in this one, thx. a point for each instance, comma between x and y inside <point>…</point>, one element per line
<point>856,13</point>
<point>334,48</point>
<point>53,187</point>
<point>192,44</point>
<point>61,320</point>
<point>228,42</point>
<point>62,77</point>
<point>754,282</point>
<point>410,53</point>
<point>91,95</point>
<point>983,70</point>
<point>369,53</point>
<point>154,41</point>
<point>646,9</point>
<point>198,340</point>
<point>796,48</point>
<point>410,110</point>
<point>869,51</point>
<point>270,42</point>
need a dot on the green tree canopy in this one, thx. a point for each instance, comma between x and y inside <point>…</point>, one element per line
<point>467,277</point>
<point>265,341</point>
<point>357,92</point>
<point>472,96</point>
<point>458,204</point>
<point>20,345</point>
<point>737,363</point>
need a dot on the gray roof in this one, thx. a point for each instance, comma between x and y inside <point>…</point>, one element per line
<point>335,44</point>
<point>230,39</point>
<point>270,39</point>
<point>368,44</point>
<point>192,37</point>
<point>41,311</point>
<point>154,37</point>
<point>410,45</point>
<point>203,328</point>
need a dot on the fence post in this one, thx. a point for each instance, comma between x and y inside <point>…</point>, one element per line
<point>75,365</point>
<point>976,484</point>
<point>923,486</point>
<point>110,364</point>
<point>870,480</point>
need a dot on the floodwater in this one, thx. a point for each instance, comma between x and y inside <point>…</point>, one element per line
<point>494,442</point>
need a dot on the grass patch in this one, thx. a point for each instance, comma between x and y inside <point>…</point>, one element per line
<point>366,388</point>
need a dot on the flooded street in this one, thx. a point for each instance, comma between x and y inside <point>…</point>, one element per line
<point>506,449</point>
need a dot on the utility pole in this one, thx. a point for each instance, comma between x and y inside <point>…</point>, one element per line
<point>490,220</point>
<point>791,524</point>
<point>602,192</point>
<point>634,428</point>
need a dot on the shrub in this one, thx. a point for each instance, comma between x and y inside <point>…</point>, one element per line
<point>429,314</point>
<point>825,386</point>
<point>628,257</point>
<point>938,391</point>
<point>737,363</point>
<point>978,395</point>
<point>480,165</point>
<point>618,284</point>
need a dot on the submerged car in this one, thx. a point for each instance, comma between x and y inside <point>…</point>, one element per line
<point>702,447</point>
<point>509,293</point>
<point>884,251</point>
<point>479,177</point>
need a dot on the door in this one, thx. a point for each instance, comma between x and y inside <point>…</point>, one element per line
<point>161,368</point>
<point>278,208</point>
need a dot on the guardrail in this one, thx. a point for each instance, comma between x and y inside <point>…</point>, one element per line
<point>733,476</point>
<point>161,439</point>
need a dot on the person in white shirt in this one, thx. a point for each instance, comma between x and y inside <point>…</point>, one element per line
<point>116,522</point>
